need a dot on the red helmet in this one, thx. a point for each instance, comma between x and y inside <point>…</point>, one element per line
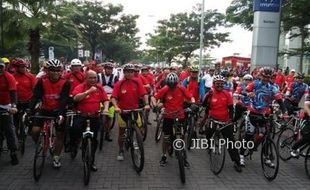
<point>19,62</point>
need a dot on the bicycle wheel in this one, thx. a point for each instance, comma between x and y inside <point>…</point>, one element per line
<point>39,157</point>
<point>190,133</point>
<point>269,159</point>
<point>137,150</point>
<point>101,137</point>
<point>285,142</point>
<point>21,136</point>
<point>307,162</point>
<point>181,156</point>
<point>217,154</point>
<point>144,126</point>
<point>87,159</point>
<point>159,129</point>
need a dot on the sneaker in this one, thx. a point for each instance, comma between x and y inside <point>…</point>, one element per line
<point>242,161</point>
<point>237,167</point>
<point>295,153</point>
<point>163,160</point>
<point>186,164</point>
<point>120,156</point>
<point>94,167</point>
<point>56,162</point>
<point>14,159</point>
<point>269,163</point>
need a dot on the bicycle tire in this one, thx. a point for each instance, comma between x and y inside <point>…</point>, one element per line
<point>273,155</point>
<point>285,142</point>
<point>307,162</point>
<point>159,130</point>
<point>40,152</point>
<point>137,162</point>
<point>101,137</point>
<point>217,162</point>
<point>21,136</point>
<point>181,157</point>
<point>87,160</point>
<point>190,133</point>
<point>144,126</point>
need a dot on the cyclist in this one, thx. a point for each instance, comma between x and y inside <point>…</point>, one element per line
<point>88,96</point>
<point>295,92</point>
<point>289,79</point>
<point>150,80</point>
<point>208,78</point>
<point>263,93</point>
<point>8,67</point>
<point>53,91</point>
<point>108,80</point>
<point>219,106</point>
<point>173,96</point>
<point>243,100</point>
<point>125,96</point>
<point>228,85</point>
<point>75,76</point>
<point>8,101</point>
<point>194,84</point>
<point>305,131</point>
<point>25,84</point>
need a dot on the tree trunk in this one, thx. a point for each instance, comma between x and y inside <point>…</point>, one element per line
<point>34,49</point>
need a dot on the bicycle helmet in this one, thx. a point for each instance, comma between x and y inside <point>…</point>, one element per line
<point>300,76</point>
<point>5,60</point>
<point>76,62</point>
<point>267,71</point>
<point>1,63</point>
<point>217,78</point>
<point>108,65</point>
<point>247,77</point>
<point>129,66</point>
<point>19,62</point>
<point>194,69</point>
<point>225,73</point>
<point>53,63</point>
<point>172,80</point>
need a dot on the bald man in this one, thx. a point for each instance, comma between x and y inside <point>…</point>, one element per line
<point>88,97</point>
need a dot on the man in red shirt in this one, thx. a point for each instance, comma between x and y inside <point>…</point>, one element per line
<point>25,84</point>
<point>280,79</point>
<point>7,108</point>
<point>184,74</point>
<point>75,76</point>
<point>53,92</point>
<point>125,96</point>
<point>289,79</point>
<point>219,106</point>
<point>88,96</point>
<point>173,96</point>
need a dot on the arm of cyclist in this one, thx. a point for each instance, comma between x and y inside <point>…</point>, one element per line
<point>37,95</point>
<point>80,96</point>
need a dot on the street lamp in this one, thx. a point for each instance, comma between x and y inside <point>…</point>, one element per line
<point>201,34</point>
<point>1,25</point>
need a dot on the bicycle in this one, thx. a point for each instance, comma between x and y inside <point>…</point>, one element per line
<point>191,126</point>
<point>290,133</point>
<point>2,136</point>
<point>269,153</point>
<point>21,130</point>
<point>159,125</point>
<point>288,138</point>
<point>102,130</point>
<point>45,142</point>
<point>134,140</point>
<point>217,150</point>
<point>178,136</point>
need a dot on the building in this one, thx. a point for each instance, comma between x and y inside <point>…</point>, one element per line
<point>236,61</point>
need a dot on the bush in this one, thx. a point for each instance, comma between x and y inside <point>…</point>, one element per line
<point>307,79</point>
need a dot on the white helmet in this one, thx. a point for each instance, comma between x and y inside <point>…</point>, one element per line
<point>53,63</point>
<point>76,62</point>
<point>247,77</point>
<point>172,79</point>
<point>218,78</point>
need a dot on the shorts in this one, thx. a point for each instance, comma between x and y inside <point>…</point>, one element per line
<point>123,118</point>
<point>168,125</point>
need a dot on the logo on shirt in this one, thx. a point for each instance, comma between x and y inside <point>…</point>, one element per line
<point>169,97</point>
<point>124,91</point>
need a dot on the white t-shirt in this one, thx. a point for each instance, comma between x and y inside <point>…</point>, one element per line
<point>208,80</point>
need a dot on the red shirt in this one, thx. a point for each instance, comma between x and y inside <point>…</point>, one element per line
<point>193,88</point>
<point>91,103</point>
<point>128,93</point>
<point>219,105</point>
<point>51,94</point>
<point>183,75</point>
<point>289,79</point>
<point>25,85</point>
<point>7,84</point>
<point>173,100</point>
<point>280,79</point>
<point>75,79</point>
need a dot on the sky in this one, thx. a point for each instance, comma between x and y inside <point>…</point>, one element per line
<point>150,11</point>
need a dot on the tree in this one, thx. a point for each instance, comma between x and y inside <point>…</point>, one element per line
<point>34,17</point>
<point>181,34</point>
<point>241,12</point>
<point>102,27</point>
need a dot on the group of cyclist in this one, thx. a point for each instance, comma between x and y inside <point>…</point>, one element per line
<point>91,91</point>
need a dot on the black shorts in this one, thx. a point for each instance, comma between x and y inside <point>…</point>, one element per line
<point>168,125</point>
<point>40,122</point>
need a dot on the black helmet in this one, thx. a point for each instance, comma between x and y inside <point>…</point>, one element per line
<point>267,71</point>
<point>225,73</point>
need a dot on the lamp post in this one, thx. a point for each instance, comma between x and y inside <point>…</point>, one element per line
<point>201,34</point>
<point>1,25</point>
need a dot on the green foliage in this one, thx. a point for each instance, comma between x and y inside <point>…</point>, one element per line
<point>241,12</point>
